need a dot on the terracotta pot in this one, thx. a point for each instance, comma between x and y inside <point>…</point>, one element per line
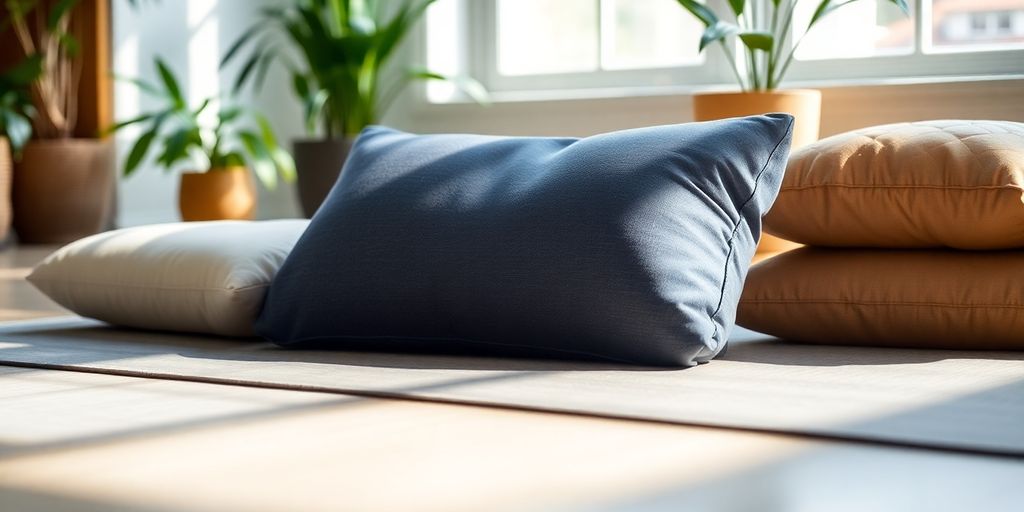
<point>219,194</point>
<point>803,104</point>
<point>63,189</point>
<point>318,164</point>
<point>6,170</point>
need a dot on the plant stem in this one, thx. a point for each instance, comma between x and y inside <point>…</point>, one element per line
<point>781,38</point>
<point>770,56</point>
<point>732,64</point>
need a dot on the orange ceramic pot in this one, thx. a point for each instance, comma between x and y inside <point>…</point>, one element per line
<point>803,104</point>
<point>218,194</point>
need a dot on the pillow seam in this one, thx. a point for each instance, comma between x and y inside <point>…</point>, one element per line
<point>142,286</point>
<point>741,220</point>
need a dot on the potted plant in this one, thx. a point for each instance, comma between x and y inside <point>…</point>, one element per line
<point>761,27</point>
<point>342,81</point>
<point>16,112</point>
<point>226,149</point>
<point>63,186</point>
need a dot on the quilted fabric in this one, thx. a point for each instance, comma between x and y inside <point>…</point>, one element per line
<point>630,246</point>
<point>957,184</point>
<point>940,298</point>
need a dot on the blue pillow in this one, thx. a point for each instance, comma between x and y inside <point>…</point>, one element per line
<point>629,246</point>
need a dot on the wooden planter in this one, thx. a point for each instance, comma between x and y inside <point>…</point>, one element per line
<point>6,170</point>
<point>803,104</point>
<point>218,194</point>
<point>63,190</point>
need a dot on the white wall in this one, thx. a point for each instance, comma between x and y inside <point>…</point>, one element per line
<point>191,36</point>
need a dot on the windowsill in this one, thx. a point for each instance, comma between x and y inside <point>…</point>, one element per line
<point>612,93</point>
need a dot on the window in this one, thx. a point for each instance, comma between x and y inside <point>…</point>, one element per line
<point>959,25</point>
<point>532,45</point>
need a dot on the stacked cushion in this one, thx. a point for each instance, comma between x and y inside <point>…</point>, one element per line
<point>929,221</point>
<point>910,298</point>
<point>203,277</point>
<point>954,184</point>
<point>630,246</point>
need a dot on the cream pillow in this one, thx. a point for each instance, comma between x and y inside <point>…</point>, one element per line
<point>204,277</point>
<point>956,184</point>
<point>926,299</point>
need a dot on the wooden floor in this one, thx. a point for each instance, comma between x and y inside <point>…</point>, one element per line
<point>82,441</point>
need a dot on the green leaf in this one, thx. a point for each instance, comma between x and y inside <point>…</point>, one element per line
<point>468,85</point>
<point>260,159</point>
<point>138,152</point>
<point>282,160</point>
<point>18,129</point>
<point>202,107</point>
<point>314,109</point>
<point>700,11</point>
<point>738,6</point>
<point>143,86</point>
<point>755,40</point>
<point>300,85</point>
<point>262,69</point>
<point>59,10</point>
<point>170,83</point>
<point>233,159</point>
<point>902,4</point>
<point>242,41</point>
<point>176,146</point>
<point>122,124</point>
<point>247,69</point>
<point>716,32</point>
<point>827,6</point>
<point>229,114</point>
<point>25,72</point>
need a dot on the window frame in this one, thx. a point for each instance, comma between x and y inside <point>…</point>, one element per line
<point>479,27</point>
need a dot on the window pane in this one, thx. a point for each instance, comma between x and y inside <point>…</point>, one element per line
<point>545,36</point>
<point>648,33</point>
<point>860,29</point>
<point>977,24</point>
<point>443,44</point>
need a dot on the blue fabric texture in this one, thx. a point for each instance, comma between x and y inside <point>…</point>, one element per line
<point>630,246</point>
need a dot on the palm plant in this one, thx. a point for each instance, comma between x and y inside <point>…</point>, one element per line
<point>229,142</point>
<point>762,27</point>
<point>44,29</point>
<point>16,110</point>
<point>346,46</point>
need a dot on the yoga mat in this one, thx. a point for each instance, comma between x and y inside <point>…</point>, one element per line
<point>953,400</point>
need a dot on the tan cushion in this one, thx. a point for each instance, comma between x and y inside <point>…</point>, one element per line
<point>935,299</point>
<point>206,277</point>
<point>909,185</point>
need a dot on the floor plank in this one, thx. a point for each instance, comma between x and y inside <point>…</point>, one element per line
<point>78,441</point>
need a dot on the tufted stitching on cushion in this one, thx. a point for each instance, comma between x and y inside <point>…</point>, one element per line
<point>946,133</point>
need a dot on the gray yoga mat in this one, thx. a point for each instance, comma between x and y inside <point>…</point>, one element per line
<point>965,401</point>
